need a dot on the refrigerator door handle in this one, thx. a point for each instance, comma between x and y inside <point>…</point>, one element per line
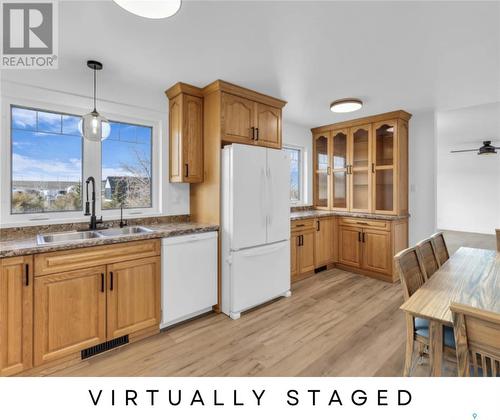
<point>263,196</point>
<point>267,250</point>
<point>271,198</point>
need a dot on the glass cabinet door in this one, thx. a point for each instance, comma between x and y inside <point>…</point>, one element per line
<point>321,171</point>
<point>383,166</point>
<point>359,168</point>
<point>339,170</point>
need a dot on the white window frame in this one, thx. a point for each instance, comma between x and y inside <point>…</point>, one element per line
<point>91,167</point>
<point>302,180</point>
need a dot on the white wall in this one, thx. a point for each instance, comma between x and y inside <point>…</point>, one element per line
<point>468,185</point>
<point>297,135</point>
<point>422,156</point>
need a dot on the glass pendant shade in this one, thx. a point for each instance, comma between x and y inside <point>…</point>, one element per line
<point>94,127</point>
<point>151,9</point>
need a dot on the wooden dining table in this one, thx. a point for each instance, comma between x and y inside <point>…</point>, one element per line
<point>471,276</point>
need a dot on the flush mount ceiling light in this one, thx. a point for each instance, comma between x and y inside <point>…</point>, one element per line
<point>346,105</point>
<point>152,9</point>
<point>93,126</point>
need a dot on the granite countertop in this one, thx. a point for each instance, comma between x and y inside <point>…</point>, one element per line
<point>310,214</point>
<point>27,246</point>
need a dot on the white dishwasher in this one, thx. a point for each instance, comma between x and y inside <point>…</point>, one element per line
<point>189,276</point>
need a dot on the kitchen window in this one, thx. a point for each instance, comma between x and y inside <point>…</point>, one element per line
<point>43,176</point>
<point>296,174</point>
<point>46,162</point>
<point>126,167</point>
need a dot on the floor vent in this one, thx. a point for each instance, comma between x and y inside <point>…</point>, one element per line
<point>318,270</point>
<point>101,348</point>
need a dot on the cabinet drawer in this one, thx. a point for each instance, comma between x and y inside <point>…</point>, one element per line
<point>74,259</point>
<point>371,223</point>
<point>303,224</point>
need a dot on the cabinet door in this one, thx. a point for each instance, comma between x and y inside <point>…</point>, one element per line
<point>339,182</point>
<point>377,251</point>
<point>324,237</point>
<point>306,252</point>
<point>237,119</point>
<point>350,246</point>
<point>16,315</point>
<point>322,170</point>
<point>133,296</point>
<point>70,313</point>
<point>175,137</point>
<point>360,169</point>
<point>268,126</point>
<point>193,139</point>
<point>294,263</point>
<point>383,167</point>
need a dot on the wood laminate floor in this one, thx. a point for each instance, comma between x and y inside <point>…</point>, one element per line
<point>335,324</point>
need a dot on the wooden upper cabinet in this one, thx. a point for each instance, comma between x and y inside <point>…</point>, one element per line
<point>185,133</point>
<point>70,313</point>
<point>268,126</point>
<point>368,170</point>
<point>16,315</point>
<point>237,119</point>
<point>133,296</point>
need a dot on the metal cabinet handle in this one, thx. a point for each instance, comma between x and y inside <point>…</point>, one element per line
<point>298,240</point>
<point>328,171</point>
<point>299,225</point>
<point>363,237</point>
<point>253,133</point>
<point>317,225</point>
<point>359,236</point>
<point>257,134</point>
<point>27,274</point>
<point>187,169</point>
<point>102,282</point>
<point>111,281</point>
<point>373,168</point>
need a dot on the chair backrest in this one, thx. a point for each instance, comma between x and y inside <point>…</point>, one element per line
<point>429,256</point>
<point>411,271</point>
<point>497,231</point>
<point>440,247</point>
<point>477,337</point>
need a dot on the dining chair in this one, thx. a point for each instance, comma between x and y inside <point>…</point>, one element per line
<point>497,231</point>
<point>477,334</point>
<point>413,276</point>
<point>429,256</point>
<point>440,246</point>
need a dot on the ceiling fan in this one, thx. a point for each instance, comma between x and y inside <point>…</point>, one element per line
<point>485,149</point>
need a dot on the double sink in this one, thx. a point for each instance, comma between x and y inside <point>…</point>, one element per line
<point>55,238</point>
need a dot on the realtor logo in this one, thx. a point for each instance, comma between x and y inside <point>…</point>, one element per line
<point>29,34</point>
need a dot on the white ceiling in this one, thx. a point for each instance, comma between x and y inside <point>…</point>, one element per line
<point>409,55</point>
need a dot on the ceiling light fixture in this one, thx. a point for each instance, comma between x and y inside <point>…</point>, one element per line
<point>346,105</point>
<point>151,9</point>
<point>93,126</point>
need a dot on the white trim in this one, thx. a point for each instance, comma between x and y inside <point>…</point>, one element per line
<point>302,174</point>
<point>58,103</point>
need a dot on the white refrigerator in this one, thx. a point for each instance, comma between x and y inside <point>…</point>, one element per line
<point>255,227</point>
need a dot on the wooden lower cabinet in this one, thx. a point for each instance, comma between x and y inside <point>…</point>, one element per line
<point>302,253</point>
<point>324,237</point>
<point>133,296</point>
<point>70,313</point>
<point>377,251</point>
<point>350,246</point>
<point>16,315</point>
<point>363,245</point>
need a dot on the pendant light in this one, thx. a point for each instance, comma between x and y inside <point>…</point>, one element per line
<point>346,105</point>
<point>152,9</point>
<point>93,126</point>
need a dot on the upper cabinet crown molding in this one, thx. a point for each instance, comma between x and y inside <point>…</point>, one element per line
<point>399,114</point>
<point>181,87</point>
<point>222,86</point>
